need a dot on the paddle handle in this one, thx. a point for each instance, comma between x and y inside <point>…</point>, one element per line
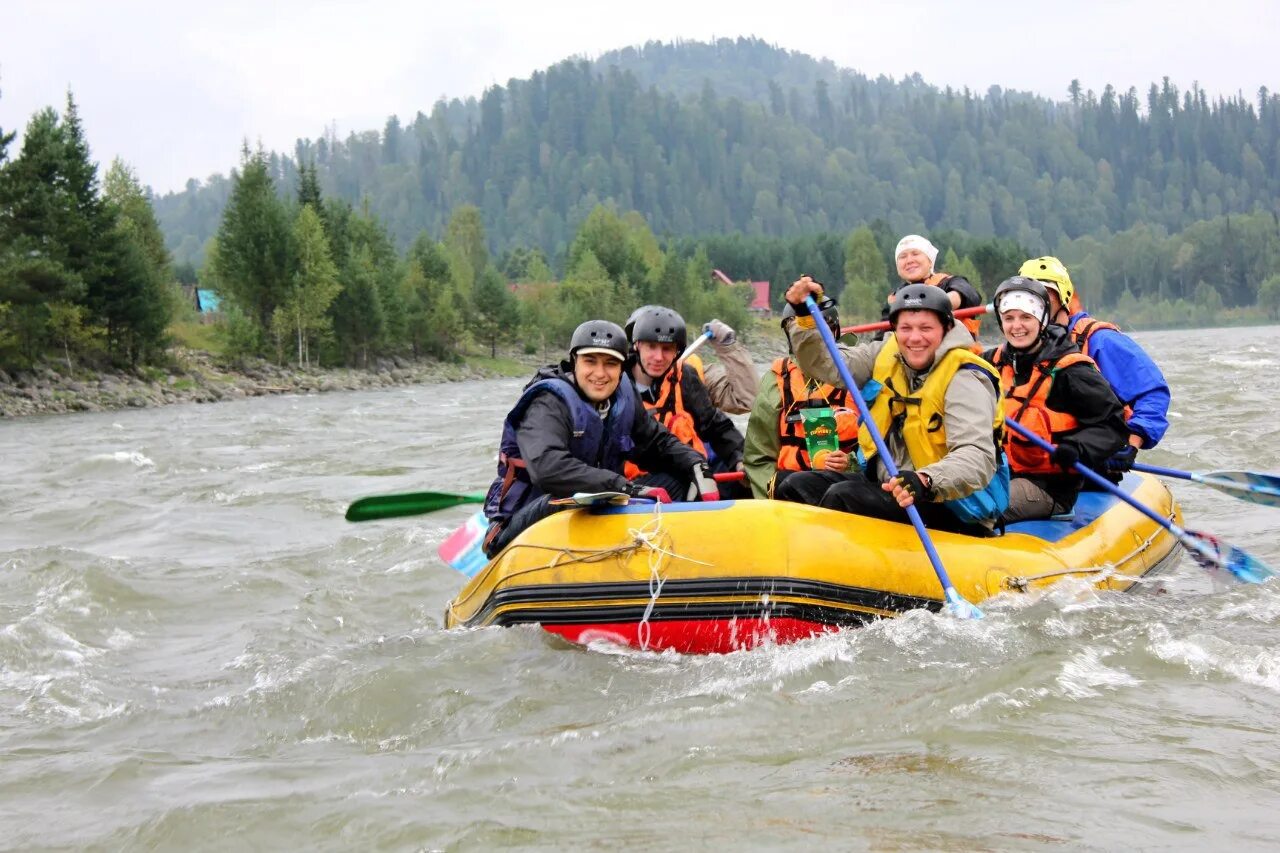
<point>883,325</point>
<point>730,477</point>
<point>693,347</point>
<point>953,598</point>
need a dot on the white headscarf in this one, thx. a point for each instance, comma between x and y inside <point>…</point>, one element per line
<point>915,241</point>
<point>1024,301</point>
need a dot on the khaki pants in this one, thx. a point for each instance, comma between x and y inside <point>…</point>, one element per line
<point>1027,501</point>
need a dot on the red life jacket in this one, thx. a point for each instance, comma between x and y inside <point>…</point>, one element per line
<point>669,411</point>
<point>795,394</point>
<point>1027,405</point>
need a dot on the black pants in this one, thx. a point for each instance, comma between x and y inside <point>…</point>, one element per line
<point>855,493</point>
<point>676,487</point>
<point>534,511</point>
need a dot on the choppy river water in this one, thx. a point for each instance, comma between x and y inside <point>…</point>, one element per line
<point>197,652</point>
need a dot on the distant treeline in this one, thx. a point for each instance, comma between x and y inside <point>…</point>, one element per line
<point>739,137</point>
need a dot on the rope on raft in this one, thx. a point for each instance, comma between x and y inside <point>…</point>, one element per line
<point>652,537</point>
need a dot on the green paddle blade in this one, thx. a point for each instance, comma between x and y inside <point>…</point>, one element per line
<point>411,503</point>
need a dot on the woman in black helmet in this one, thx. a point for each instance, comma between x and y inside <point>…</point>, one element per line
<point>934,401</point>
<point>1056,391</point>
<point>572,429</point>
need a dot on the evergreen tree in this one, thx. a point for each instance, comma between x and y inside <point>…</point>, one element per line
<point>37,215</point>
<point>497,313</point>
<point>357,311</point>
<point>315,283</point>
<point>251,268</point>
<point>864,275</point>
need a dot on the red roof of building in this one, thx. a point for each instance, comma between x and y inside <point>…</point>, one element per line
<point>759,291</point>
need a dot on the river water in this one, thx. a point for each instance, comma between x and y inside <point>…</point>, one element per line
<point>197,652</point>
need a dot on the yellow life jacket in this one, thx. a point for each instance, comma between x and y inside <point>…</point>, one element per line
<point>919,415</point>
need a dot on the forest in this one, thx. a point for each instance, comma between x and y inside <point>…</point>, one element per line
<point>596,185</point>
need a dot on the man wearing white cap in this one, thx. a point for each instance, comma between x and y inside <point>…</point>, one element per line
<point>915,257</point>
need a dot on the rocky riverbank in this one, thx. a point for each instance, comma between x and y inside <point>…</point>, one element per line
<point>196,377</point>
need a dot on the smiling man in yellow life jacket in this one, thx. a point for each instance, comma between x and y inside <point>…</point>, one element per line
<point>936,404</point>
<point>1054,390</point>
<point>776,446</point>
<point>676,397</point>
<point>915,258</point>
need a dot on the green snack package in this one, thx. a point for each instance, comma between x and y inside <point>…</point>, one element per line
<point>820,436</point>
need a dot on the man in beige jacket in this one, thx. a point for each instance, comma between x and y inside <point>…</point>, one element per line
<point>936,404</point>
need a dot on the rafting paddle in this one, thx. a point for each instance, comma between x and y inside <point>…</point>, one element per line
<point>693,347</point>
<point>1246,485</point>
<point>883,325</point>
<point>1207,550</point>
<point>411,503</point>
<point>955,604</point>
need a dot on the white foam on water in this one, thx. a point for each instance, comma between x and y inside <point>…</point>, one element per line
<point>1205,655</point>
<point>1085,676</point>
<point>133,457</point>
<point>1017,699</point>
<point>1246,363</point>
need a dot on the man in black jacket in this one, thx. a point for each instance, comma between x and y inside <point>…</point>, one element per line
<point>571,431</point>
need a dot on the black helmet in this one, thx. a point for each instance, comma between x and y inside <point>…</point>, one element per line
<point>598,336</point>
<point>657,324</point>
<point>826,305</point>
<point>1038,303</point>
<point>922,297</point>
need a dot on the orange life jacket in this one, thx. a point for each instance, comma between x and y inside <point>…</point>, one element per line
<point>1085,329</point>
<point>938,279</point>
<point>1027,405</point>
<point>795,394</point>
<point>669,411</point>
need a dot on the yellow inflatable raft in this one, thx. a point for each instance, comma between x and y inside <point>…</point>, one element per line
<point>728,575</point>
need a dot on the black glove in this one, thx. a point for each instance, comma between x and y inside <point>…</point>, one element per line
<point>1065,456</point>
<point>1123,461</point>
<point>911,482</point>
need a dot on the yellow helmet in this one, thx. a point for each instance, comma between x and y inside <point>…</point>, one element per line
<point>1051,271</point>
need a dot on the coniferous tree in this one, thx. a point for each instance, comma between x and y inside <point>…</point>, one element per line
<point>864,275</point>
<point>251,268</point>
<point>315,284</point>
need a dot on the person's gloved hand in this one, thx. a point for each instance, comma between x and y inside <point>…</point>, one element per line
<point>722,334</point>
<point>1123,461</point>
<point>907,488</point>
<point>1065,456</point>
<point>654,493</point>
<point>799,289</point>
<point>701,484</point>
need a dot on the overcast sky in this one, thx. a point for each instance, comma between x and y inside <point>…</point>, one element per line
<point>174,87</point>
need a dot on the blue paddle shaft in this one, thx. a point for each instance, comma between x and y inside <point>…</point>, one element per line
<point>886,460</point>
<point>1099,480</point>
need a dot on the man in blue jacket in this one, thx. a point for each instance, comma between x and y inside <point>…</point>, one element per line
<point>1135,378</point>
